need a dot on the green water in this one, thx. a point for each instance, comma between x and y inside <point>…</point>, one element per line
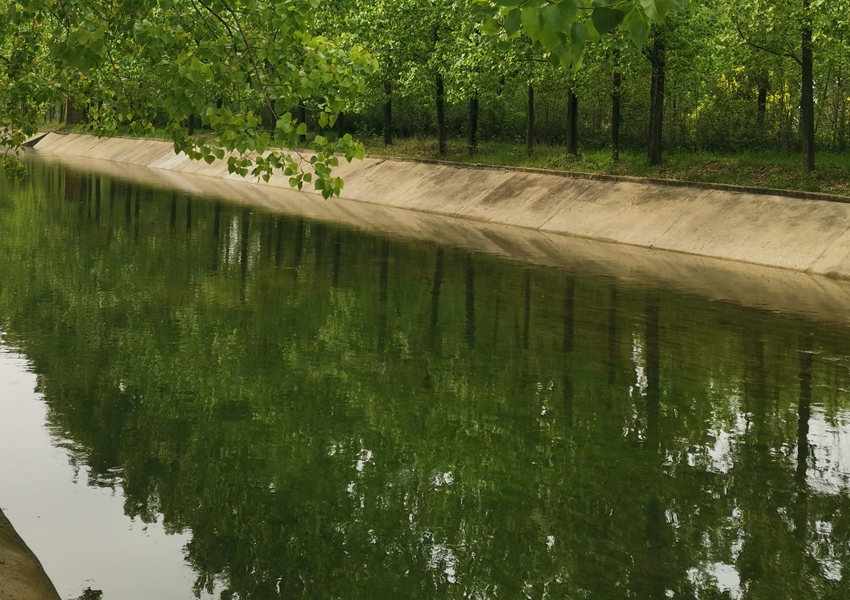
<point>328,413</point>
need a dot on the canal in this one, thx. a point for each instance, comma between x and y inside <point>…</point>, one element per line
<point>203,398</point>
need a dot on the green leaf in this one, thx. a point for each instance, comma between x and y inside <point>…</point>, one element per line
<point>656,10</point>
<point>513,22</point>
<point>578,34</point>
<point>531,22</point>
<point>552,18</point>
<point>569,10</point>
<point>491,27</point>
<point>606,19</point>
<point>638,28</point>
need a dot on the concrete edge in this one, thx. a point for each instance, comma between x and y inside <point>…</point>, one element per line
<point>22,576</point>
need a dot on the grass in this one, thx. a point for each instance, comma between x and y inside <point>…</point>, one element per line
<point>766,169</point>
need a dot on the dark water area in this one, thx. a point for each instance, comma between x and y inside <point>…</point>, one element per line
<point>328,413</point>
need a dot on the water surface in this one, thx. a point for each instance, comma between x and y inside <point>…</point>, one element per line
<point>302,410</point>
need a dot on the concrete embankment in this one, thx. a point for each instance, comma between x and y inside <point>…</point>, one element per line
<point>21,574</point>
<point>775,252</point>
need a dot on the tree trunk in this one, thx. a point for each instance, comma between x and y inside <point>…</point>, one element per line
<point>302,118</point>
<point>616,83</point>
<point>388,113</point>
<point>529,121</point>
<point>807,99</point>
<point>441,114</point>
<point>472,130</point>
<point>572,124</point>
<point>190,124</point>
<point>657,58</point>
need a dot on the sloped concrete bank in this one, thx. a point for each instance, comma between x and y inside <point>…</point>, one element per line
<point>779,253</point>
<point>21,574</point>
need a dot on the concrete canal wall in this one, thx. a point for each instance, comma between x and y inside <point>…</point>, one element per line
<point>21,574</point>
<point>773,252</point>
<point>802,234</point>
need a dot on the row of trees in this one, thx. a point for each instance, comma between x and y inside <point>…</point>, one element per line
<point>709,75</point>
<point>706,74</point>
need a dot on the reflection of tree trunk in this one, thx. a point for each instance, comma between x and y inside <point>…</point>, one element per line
<point>529,120</point>
<point>470,303</point>
<point>382,294</point>
<point>173,220</point>
<point>613,342</point>
<point>279,243</point>
<point>336,261</point>
<point>216,234</point>
<point>435,300</point>
<point>807,98</point>
<point>526,328</point>
<point>97,192</point>
<point>653,372</point>
<point>800,508</point>
<point>569,342</point>
<point>804,409</point>
<point>320,241</point>
<point>128,205</point>
<point>243,254</point>
<point>188,216</point>
<point>137,214</point>
<point>299,248</point>
<point>654,536</point>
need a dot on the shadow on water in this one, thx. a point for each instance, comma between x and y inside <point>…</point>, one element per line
<point>333,414</point>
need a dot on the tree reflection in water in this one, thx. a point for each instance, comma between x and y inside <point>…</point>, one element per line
<point>411,421</point>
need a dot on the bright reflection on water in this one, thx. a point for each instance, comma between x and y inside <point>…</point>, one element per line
<point>323,413</point>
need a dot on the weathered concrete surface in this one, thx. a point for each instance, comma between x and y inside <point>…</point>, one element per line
<point>21,574</point>
<point>774,289</point>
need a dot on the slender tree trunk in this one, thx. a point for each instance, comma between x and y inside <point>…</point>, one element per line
<point>302,118</point>
<point>472,130</point>
<point>657,57</point>
<point>761,107</point>
<point>616,88</point>
<point>441,114</point>
<point>572,124</point>
<point>529,121</point>
<point>388,113</point>
<point>190,124</point>
<point>807,99</point>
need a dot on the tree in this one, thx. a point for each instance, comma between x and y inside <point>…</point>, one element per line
<point>227,61</point>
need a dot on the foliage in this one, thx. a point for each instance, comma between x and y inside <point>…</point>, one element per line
<point>241,66</point>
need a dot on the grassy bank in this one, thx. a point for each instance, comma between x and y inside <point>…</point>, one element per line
<point>760,169</point>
